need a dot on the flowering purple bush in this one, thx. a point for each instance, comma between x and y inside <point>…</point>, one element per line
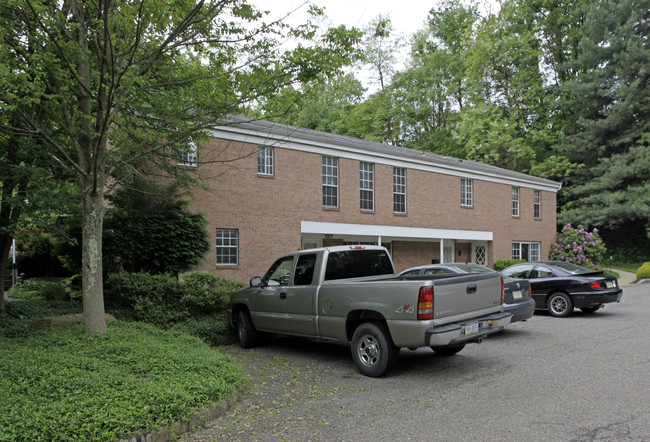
<point>579,246</point>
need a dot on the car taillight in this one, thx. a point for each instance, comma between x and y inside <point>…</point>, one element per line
<point>595,284</point>
<point>425,303</point>
<point>503,291</point>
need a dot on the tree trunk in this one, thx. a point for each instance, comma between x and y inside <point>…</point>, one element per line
<point>91,256</point>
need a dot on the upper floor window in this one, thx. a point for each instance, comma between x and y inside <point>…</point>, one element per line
<point>227,246</point>
<point>330,182</point>
<point>515,201</point>
<point>466,198</point>
<point>190,155</point>
<point>265,160</point>
<point>537,204</point>
<point>367,185</point>
<point>399,190</point>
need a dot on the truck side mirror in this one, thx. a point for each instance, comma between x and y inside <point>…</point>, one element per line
<point>256,281</point>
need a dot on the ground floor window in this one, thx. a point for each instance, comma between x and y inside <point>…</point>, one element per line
<point>480,255</point>
<point>525,250</point>
<point>227,246</point>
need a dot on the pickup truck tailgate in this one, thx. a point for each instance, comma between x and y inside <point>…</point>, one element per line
<point>466,294</point>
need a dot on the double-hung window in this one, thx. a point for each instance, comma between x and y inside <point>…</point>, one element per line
<point>525,250</point>
<point>466,198</point>
<point>537,204</point>
<point>515,201</point>
<point>227,247</point>
<point>330,182</point>
<point>399,190</point>
<point>265,160</point>
<point>190,155</point>
<point>367,186</point>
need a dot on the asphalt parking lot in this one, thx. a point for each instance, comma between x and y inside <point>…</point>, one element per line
<point>581,378</point>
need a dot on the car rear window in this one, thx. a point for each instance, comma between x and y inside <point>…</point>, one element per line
<point>574,269</point>
<point>357,263</point>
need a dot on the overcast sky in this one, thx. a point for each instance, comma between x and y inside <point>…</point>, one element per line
<point>407,16</point>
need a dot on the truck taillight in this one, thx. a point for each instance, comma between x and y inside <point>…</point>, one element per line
<point>503,291</point>
<point>425,303</point>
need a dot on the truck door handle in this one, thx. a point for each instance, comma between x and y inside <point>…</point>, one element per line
<point>283,296</point>
<point>471,289</point>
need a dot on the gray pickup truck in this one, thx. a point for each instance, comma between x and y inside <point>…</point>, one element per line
<point>351,294</point>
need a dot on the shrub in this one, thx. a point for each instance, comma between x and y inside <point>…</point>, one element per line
<point>212,329</point>
<point>206,293</point>
<point>503,263</point>
<point>164,300</point>
<point>155,299</point>
<point>644,271</point>
<point>579,246</point>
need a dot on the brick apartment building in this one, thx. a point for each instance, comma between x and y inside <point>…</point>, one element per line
<point>274,188</point>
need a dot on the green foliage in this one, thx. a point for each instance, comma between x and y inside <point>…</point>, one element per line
<point>63,384</point>
<point>205,293</point>
<point>644,271</point>
<point>501,264</point>
<point>155,299</point>
<point>150,229</point>
<point>609,106</point>
<point>164,300</point>
<point>36,255</point>
<point>213,329</point>
<point>579,246</point>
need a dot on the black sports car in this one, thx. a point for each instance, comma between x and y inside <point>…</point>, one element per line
<point>559,286</point>
<point>516,292</point>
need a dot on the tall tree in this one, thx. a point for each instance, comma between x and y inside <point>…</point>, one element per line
<point>124,82</point>
<point>610,103</point>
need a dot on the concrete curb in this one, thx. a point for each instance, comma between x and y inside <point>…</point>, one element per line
<point>199,419</point>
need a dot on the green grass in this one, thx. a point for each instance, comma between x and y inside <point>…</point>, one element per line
<point>625,266</point>
<point>65,384</point>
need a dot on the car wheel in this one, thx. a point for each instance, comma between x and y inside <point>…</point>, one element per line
<point>246,333</point>
<point>373,351</point>
<point>560,305</point>
<point>593,309</point>
<point>448,351</point>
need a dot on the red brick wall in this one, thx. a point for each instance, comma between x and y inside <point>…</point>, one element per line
<point>267,211</point>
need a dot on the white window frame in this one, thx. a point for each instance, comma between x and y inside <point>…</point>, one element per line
<point>367,186</point>
<point>515,202</point>
<point>399,190</point>
<point>330,172</point>
<point>190,155</point>
<point>480,253</point>
<point>227,240</point>
<point>519,249</point>
<point>466,192</point>
<point>537,204</point>
<point>265,160</point>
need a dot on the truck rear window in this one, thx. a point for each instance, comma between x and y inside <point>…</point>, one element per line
<point>357,263</point>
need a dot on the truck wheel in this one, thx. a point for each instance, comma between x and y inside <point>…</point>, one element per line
<point>448,351</point>
<point>246,333</point>
<point>373,351</point>
<point>559,304</point>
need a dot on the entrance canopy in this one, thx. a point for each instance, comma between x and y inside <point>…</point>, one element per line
<point>387,233</point>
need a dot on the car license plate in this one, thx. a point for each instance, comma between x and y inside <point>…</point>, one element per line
<point>611,284</point>
<point>471,328</point>
<point>516,294</point>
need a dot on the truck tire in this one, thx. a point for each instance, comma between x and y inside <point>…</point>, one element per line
<point>373,351</point>
<point>246,333</point>
<point>448,351</point>
<point>559,304</point>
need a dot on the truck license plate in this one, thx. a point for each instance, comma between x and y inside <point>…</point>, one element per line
<point>471,328</point>
<point>516,294</point>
